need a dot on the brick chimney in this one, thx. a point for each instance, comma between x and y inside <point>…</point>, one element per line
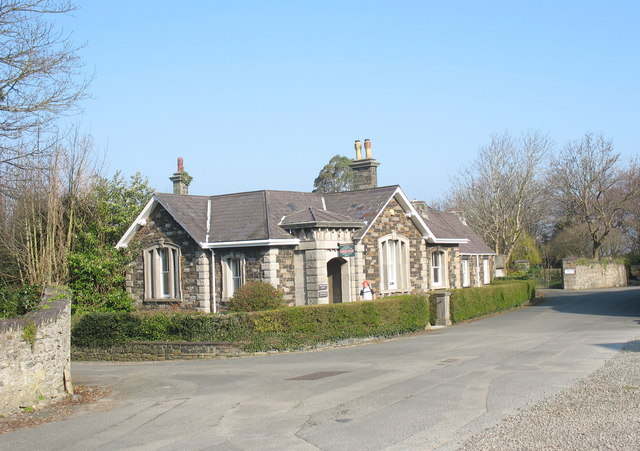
<point>179,179</point>
<point>365,169</point>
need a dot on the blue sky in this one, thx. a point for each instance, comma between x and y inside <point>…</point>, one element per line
<point>261,94</point>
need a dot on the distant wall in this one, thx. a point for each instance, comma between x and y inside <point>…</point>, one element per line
<point>578,274</point>
<point>34,354</point>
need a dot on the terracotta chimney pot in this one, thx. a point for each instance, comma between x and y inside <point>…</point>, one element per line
<point>367,148</point>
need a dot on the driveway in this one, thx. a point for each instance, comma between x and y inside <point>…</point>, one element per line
<point>428,391</point>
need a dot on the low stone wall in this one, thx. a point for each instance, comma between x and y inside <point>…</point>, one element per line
<point>155,350</point>
<point>577,275</point>
<point>34,356</point>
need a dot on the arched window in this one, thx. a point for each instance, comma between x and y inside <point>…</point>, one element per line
<point>162,272</point>
<point>466,279</point>
<point>439,269</point>
<point>232,273</point>
<point>394,262</point>
<point>486,275</point>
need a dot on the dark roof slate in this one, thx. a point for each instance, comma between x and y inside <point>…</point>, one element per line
<point>312,215</point>
<point>260,215</point>
<point>445,224</point>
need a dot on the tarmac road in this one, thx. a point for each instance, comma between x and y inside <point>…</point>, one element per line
<point>429,391</point>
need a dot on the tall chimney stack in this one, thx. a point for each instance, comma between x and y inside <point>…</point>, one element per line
<point>179,179</point>
<point>365,169</point>
<point>358,148</point>
<point>367,148</point>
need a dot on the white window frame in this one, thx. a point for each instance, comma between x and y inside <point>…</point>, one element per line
<point>393,258</point>
<point>162,272</point>
<point>486,277</point>
<point>440,269</point>
<point>466,275</point>
<point>233,273</point>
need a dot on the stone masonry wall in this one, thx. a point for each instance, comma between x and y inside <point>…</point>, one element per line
<point>579,275</point>
<point>402,225</point>
<point>266,264</point>
<point>161,226</point>
<point>33,371</point>
<point>143,351</point>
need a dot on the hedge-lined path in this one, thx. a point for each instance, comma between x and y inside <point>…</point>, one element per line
<point>421,392</point>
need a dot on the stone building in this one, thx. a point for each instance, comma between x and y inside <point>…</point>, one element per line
<point>195,251</point>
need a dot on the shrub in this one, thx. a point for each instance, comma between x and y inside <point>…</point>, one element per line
<point>297,327</point>
<point>472,302</point>
<point>255,296</point>
<point>109,328</point>
<point>19,300</point>
<point>289,328</point>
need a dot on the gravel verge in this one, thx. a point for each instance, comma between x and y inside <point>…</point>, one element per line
<point>601,411</point>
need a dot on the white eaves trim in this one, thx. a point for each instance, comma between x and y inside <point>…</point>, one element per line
<point>449,241</point>
<point>140,221</point>
<point>412,213</point>
<point>478,253</point>
<point>251,243</point>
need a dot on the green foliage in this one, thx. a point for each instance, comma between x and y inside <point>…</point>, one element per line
<point>29,332</point>
<point>109,328</point>
<point>96,268</point>
<point>526,249</point>
<point>255,296</point>
<point>289,328</point>
<point>297,327</point>
<point>467,303</point>
<point>17,300</point>
<point>305,326</point>
<point>632,259</point>
<point>335,176</point>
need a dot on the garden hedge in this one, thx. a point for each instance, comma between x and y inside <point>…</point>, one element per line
<point>468,303</point>
<point>296,327</point>
<point>287,328</point>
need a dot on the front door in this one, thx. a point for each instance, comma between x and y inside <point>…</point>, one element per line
<point>334,276</point>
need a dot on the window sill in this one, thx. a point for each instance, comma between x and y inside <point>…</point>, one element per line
<point>163,300</point>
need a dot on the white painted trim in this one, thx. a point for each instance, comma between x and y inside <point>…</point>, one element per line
<point>410,211</point>
<point>251,243</point>
<point>213,281</point>
<point>449,241</point>
<point>139,222</point>
<point>478,253</point>
<point>206,238</point>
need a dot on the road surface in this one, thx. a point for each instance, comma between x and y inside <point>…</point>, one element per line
<point>427,391</point>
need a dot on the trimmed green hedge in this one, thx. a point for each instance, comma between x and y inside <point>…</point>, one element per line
<point>467,303</point>
<point>287,328</point>
<point>296,327</point>
<point>108,328</point>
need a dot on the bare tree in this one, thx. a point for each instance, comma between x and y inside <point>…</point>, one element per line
<point>39,79</point>
<point>501,193</point>
<point>39,213</point>
<point>592,189</point>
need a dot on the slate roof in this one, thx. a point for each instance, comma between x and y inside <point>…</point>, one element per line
<point>265,215</point>
<point>313,216</point>
<point>445,224</point>
<point>257,215</point>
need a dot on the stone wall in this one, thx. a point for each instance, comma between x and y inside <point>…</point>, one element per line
<point>161,227</point>
<point>32,366</point>
<point>578,274</point>
<point>386,224</point>
<point>143,350</point>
